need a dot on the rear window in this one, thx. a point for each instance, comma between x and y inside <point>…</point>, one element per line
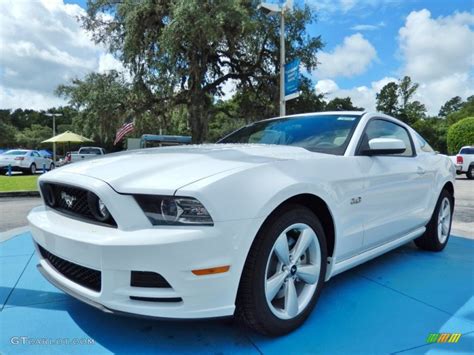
<point>90,151</point>
<point>16,152</point>
<point>467,151</point>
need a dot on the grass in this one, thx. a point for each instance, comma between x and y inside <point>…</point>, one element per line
<point>18,183</point>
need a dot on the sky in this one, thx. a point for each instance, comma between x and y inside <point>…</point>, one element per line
<point>368,43</point>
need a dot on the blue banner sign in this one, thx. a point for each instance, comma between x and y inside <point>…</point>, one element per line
<point>292,80</point>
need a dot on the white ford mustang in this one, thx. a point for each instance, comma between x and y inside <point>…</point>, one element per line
<point>252,226</point>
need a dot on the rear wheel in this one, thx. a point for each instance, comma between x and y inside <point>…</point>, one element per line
<point>33,169</point>
<point>470,172</point>
<point>284,272</point>
<point>438,229</point>
<point>51,167</point>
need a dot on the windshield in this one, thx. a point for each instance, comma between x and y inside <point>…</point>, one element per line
<point>16,152</point>
<point>325,134</point>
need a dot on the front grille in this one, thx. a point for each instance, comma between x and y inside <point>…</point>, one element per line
<point>75,202</point>
<point>88,278</point>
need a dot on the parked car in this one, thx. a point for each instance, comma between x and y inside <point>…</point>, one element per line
<point>27,161</point>
<point>84,153</point>
<point>464,161</point>
<point>253,226</point>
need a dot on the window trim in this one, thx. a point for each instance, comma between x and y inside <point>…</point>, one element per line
<point>413,149</point>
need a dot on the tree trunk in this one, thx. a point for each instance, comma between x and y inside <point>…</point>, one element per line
<point>197,118</point>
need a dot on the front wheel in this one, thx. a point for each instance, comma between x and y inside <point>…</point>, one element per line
<point>284,272</point>
<point>438,228</point>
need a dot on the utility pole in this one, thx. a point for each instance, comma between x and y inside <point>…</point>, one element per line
<point>54,132</point>
<point>282,63</point>
<point>271,9</point>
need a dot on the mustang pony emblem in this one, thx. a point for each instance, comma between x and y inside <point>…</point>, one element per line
<point>68,199</point>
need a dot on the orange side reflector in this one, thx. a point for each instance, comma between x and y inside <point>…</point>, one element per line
<point>212,270</point>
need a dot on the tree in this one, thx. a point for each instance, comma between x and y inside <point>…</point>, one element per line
<point>460,134</point>
<point>452,105</point>
<point>341,104</point>
<point>101,104</point>
<point>175,63</point>
<point>466,110</point>
<point>395,99</point>
<point>433,130</point>
<point>387,99</point>
<point>31,137</point>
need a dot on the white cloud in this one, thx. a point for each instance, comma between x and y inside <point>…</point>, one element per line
<point>367,27</point>
<point>43,45</point>
<point>361,96</point>
<point>438,53</point>
<point>350,58</point>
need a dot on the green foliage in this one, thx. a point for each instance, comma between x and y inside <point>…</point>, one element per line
<point>461,134</point>
<point>387,99</point>
<point>101,104</point>
<point>341,104</point>
<point>466,110</point>
<point>31,137</point>
<point>433,130</point>
<point>452,105</point>
<point>395,99</point>
<point>182,52</point>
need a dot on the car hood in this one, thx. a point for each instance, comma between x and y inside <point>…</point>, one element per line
<point>164,170</point>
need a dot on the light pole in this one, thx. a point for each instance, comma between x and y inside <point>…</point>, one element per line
<point>272,9</point>
<point>54,115</point>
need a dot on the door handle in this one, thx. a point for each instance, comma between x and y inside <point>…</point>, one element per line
<point>420,170</point>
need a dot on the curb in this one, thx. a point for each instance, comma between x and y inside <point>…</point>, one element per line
<point>20,194</point>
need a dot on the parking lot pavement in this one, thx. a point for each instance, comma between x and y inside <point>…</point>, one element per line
<point>463,219</point>
<point>388,305</point>
<point>13,211</point>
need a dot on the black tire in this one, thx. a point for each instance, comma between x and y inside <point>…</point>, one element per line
<point>252,307</point>
<point>51,167</point>
<point>431,239</point>
<point>32,170</point>
<point>470,172</point>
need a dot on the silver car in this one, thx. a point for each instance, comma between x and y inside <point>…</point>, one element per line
<point>26,161</point>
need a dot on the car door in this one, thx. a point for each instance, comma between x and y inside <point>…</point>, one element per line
<point>395,189</point>
<point>38,160</point>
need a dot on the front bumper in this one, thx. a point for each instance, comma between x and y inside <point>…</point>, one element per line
<point>169,251</point>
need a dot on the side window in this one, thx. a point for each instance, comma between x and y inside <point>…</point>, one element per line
<point>379,128</point>
<point>35,154</point>
<point>424,146</point>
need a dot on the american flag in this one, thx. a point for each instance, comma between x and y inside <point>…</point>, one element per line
<point>127,127</point>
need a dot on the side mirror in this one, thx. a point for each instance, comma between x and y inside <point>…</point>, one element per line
<point>385,146</point>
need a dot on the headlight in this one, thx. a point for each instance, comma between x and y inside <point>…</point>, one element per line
<point>97,208</point>
<point>166,210</point>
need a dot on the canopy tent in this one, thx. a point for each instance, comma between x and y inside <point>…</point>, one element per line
<point>67,137</point>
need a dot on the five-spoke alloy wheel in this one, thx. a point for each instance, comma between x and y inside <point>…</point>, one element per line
<point>438,229</point>
<point>292,271</point>
<point>284,271</point>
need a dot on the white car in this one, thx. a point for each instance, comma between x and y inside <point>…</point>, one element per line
<point>252,226</point>
<point>27,161</point>
<point>464,161</point>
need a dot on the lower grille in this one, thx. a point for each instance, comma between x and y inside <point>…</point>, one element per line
<point>81,275</point>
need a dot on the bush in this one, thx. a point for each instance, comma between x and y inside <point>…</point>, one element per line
<point>461,134</point>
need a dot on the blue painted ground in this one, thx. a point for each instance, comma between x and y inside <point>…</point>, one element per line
<point>388,305</point>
